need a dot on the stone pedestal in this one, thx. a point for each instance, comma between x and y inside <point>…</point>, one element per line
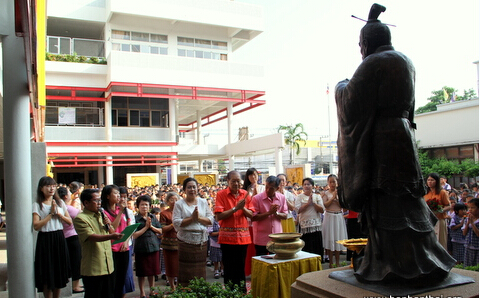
<point>319,285</point>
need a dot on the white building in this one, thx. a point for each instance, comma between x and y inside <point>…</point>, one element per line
<point>452,131</point>
<point>169,71</point>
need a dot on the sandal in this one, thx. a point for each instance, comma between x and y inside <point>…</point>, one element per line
<point>216,275</point>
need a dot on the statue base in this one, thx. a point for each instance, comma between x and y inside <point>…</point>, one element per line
<point>463,283</point>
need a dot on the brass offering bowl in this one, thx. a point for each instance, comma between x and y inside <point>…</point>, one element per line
<point>354,244</point>
<point>285,245</point>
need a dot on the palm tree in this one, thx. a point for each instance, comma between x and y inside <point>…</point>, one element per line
<point>293,135</point>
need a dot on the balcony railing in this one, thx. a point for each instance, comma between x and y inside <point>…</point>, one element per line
<point>80,46</point>
<point>74,116</point>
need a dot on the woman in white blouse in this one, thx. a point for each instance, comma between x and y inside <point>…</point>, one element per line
<point>309,207</point>
<point>191,216</point>
<point>52,267</point>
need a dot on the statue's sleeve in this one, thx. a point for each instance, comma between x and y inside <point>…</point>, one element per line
<point>356,111</point>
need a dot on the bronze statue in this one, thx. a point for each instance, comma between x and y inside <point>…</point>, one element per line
<point>379,171</point>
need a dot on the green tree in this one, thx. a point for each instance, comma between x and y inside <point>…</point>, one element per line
<point>448,168</point>
<point>445,95</point>
<point>469,168</point>
<point>293,135</point>
<point>222,169</point>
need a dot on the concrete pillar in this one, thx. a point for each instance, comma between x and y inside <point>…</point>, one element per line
<point>229,122</point>
<point>278,160</point>
<point>231,158</point>
<point>231,162</point>
<point>172,116</point>
<point>199,129</point>
<point>108,121</point>
<point>101,176</point>
<point>17,164</point>
<point>109,172</point>
<point>174,171</point>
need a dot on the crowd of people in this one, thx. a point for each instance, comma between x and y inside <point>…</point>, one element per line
<point>181,227</point>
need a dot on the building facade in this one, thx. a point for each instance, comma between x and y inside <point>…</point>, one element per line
<point>161,71</point>
<point>451,132</point>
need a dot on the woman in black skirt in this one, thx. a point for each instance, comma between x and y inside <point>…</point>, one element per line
<point>52,268</point>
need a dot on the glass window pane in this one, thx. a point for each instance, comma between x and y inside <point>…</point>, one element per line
<point>114,117</point>
<point>116,47</point>
<point>134,118</point>
<point>144,118</point>
<point>91,116</point>
<point>203,43</point>
<point>198,54</point>
<point>159,38</point>
<point>182,53</point>
<point>53,45</point>
<point>164,119</point>
<point>223,57</point>
<point>140,36</point>
<point>185,41</point>
<point>190,53</point>
<point>207,55</point>
<point>135,48</point>
<point>159,103</point>
<point>125,47</point>
<point>155,118</point>
<point>216,56</point>
<point>119,102</point>
<point>153,50</point>
<point>51,115</point>
<point>118,34</point>
<point>164,51</point>
<point>221,45</point>
<point>65,46</point>
<point>122,118</point>
<point>144,48</point>
<point>138,103</point>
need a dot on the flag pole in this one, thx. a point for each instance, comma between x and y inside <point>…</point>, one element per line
<point>329,131</point>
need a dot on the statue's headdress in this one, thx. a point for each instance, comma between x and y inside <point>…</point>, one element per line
<point>375,11</point>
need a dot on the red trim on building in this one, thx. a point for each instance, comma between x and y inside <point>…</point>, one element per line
<point>90,144</point>
<point>248,97</point>
<point>56,160</point>
<point>72,154</point>
<point>114,165</point>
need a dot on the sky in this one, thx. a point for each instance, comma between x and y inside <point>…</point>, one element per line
<point>308,45</point>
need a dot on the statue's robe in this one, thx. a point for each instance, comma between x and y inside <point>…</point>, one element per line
<point>379,171</point>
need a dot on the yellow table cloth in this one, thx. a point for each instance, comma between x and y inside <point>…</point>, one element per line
<point>273,278</point>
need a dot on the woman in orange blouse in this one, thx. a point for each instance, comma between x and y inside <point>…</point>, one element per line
<point>437,200</point>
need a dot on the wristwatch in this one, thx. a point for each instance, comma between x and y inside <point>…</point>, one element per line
<point>234,209</point>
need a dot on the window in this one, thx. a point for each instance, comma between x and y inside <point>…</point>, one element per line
<point>217,52</point>
<point>139,103</point>
<point>140,111</point>
<point>122,118</point>
<point>76,113</point>
<point>158,38</point>
<point>117,34</point>
<point>142,42</point>
<point>144,118</point>
<point>160,118</point>
<point>202,43</point>
<point>134,117</point>
<point>220,45</point>
<point>139,36</point>
<point>185,41</point>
